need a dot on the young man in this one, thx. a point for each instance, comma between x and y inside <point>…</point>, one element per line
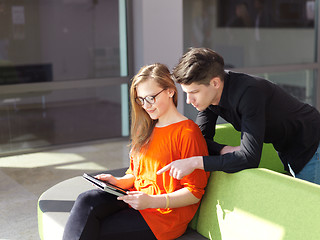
<point>261,110</point>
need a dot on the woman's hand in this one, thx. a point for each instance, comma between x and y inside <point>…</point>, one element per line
<point>125,182</point>
<point>107,178</point>
<point>137,200</point>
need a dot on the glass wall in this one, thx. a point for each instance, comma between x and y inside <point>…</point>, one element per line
<point>68,39</point>
<point>260,37</point>
<point>253,33</point>
<point>301,84</point>
<point>59,117</point>
<point>63,72</point>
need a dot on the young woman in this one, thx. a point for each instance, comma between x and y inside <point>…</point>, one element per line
<point>157,206</point>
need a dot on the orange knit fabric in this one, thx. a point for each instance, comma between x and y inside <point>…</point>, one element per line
<point>176,141</point>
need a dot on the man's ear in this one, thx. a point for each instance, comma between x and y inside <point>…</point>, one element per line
<point>215,82</point>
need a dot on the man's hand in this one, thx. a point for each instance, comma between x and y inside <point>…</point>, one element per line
<point>180,168</point>
<point>229,149</point>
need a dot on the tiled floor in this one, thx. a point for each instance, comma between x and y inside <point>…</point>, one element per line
<point>24,177</point>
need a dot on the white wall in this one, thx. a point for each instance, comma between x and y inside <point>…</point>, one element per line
<point>158,34</point>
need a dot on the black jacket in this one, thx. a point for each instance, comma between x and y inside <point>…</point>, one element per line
<point>263,112</point>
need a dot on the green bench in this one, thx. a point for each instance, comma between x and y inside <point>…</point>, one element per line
<point>252,204</point>
<point>259,204</point>
<point>226,134</point>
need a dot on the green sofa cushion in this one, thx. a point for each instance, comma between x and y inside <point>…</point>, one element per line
<point>259,204</point>
<point>226,134</point>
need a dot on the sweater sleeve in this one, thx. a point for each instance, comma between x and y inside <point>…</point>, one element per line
<point>193,144</point>
<point>252,109</point>
<point>206,121</point>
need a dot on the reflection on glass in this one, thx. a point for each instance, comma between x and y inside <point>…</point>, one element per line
<point>266,14</point>
<point>300,84</point>
<point>60,117</point>
<point>252,33</point>
<point>75,39</point>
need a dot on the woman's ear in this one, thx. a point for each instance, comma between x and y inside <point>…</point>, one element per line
<point>171,93</point>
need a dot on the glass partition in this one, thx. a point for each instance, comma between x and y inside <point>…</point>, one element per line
<point>274,39</point>
<point>60,39</point>
<point>300,84</point>
<point>59,117</point>
<point>253,33</point>
<point>63,72</point>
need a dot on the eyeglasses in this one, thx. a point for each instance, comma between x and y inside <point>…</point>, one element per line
<point>148,99</point>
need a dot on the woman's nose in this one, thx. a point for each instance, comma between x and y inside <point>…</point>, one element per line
<point>146,104</point>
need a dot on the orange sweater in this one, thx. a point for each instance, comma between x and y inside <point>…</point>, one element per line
<point>176,141</point>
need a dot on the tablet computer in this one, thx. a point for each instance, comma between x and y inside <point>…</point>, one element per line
<point>105,186</point>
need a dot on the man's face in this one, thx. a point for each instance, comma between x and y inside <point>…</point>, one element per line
<point>202,96</point>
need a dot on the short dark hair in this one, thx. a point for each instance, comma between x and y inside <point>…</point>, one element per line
<point>199,65</point>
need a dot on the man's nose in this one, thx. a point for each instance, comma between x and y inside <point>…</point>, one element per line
<point>188,100</point>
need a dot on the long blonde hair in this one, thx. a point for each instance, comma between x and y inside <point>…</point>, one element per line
<point>141,123</point>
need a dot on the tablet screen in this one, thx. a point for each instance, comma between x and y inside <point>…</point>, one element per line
<point>108,187</point>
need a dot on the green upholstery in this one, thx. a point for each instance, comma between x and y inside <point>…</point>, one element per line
<point>226,134</point>
<point>253,204</point>
<point>259,204</point>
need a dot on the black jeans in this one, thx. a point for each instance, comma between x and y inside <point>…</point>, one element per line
<point>98,215</point>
